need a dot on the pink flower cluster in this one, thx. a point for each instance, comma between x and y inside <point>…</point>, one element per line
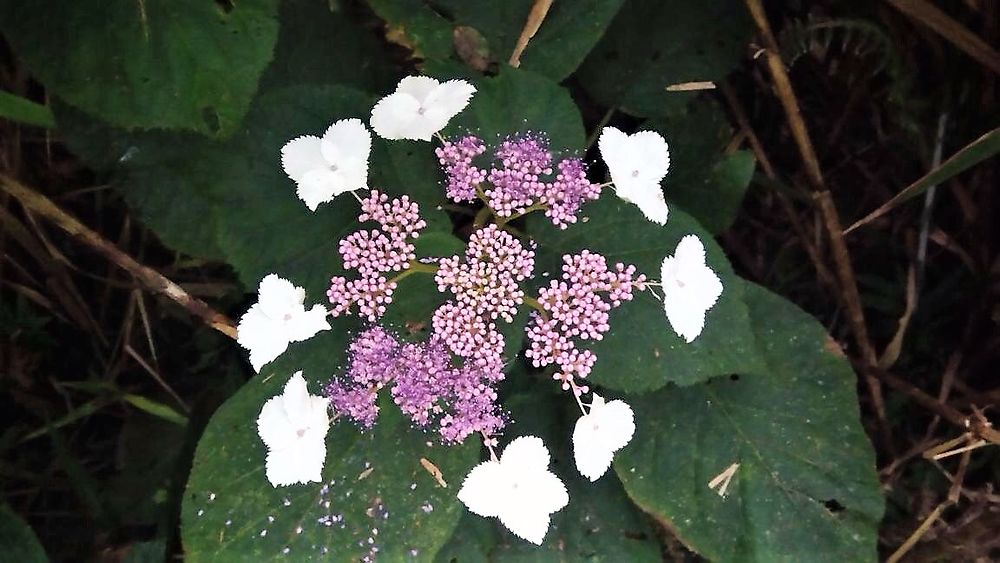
<point>424,384</point>
<point>374,253</point>
<point>463,176</point>
<point>486,286</point>
<point>522,176</point>
<point>577,307</point>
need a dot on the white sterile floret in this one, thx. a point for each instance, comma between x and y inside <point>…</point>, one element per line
<point>324,168</point>
<point>278,318</point>
<point>637,164</point>
<point>607,428</point>
<point>419,108</point>
<point>293,426</point>
<point>518,489</point>
<point>690,288</point>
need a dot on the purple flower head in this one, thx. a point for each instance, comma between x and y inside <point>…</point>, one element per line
<point>371,357</point>
<point>423,382</point>
<point>522,176</point>
<point>577,307</point>
<point>488,280</point>
<point>565,195</point>
<point>456,158</point>
<point>375,253</point>
<point>519,180</point>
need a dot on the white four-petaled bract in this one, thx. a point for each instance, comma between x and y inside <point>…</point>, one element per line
<point>518,489</point>
<point>326,167</point>
<point>293,426</point>
<point>637,164</point>
<point>278,318</point>
<point>690,288</point>
<point>607,428</point>
<point>419,108</point>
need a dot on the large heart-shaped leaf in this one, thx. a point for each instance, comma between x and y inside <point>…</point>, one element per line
<point>231,200</point>
<point>805,489</point>
<point>178,64</point>
<point>641,352</point>
<point>320,43</point>
<point>517,101</point>
<point>652,44</point>
<point>18,539</point>
<point>377,499</point>
<point>570,29</point>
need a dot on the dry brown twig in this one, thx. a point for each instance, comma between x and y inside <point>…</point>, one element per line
<point>930,15</point>
<point>34,202</point>
<point>826,208</point>
<point>539,10</point>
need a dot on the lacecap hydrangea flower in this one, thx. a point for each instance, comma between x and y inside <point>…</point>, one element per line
<point>326,167</point>
<point>420,107</point>
<point>598,434</point>
<point>278,318</point>
<point>637,164</point>
<point>293,426</point>
<point>447,381</point>
<point>690,288</point>
<point>518,489</point>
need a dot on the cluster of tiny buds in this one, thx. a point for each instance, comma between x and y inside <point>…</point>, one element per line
<point>520,177</point>
<point>487,281</point>
<point>456,157</point>
<point>374,253</point>
<point>423,382</point>
<point>577,307</point>
<point>485,284</point>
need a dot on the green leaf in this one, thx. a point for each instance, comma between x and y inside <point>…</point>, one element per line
<point>652,44</point>
<point>22,110</point>
<point>169,178</point>
<point>985,147</point>
<point>418,26</point>
<point>805,489</point>
<point>641,352</point>
<point>232,201</point>
<point>177,64</point>
<point>155,408</point>
<point>519,101</point>
<point>598,524</point>
<point>570,29</point>
<point>320,45</point>
<point>18,539</point>
<point>263,226</point>
<point>707,183</point>
<point>374,484</point>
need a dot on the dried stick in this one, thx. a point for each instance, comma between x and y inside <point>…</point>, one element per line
<point>539,10</point>
<point>827,209</point>
<point>786,205</point>
<point>150,278</point>
<point>976,424</point>
<point>954,32</point>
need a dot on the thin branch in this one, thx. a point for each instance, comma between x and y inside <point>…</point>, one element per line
<point>148,277</point>
<point>827,210</point>
<point>539,10</point>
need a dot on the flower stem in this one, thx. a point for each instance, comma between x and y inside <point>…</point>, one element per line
<point>534,304</point>
<point>576,395</point>
<point>501,221</point>
<point>414,268</point>
<point>482,216</point>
